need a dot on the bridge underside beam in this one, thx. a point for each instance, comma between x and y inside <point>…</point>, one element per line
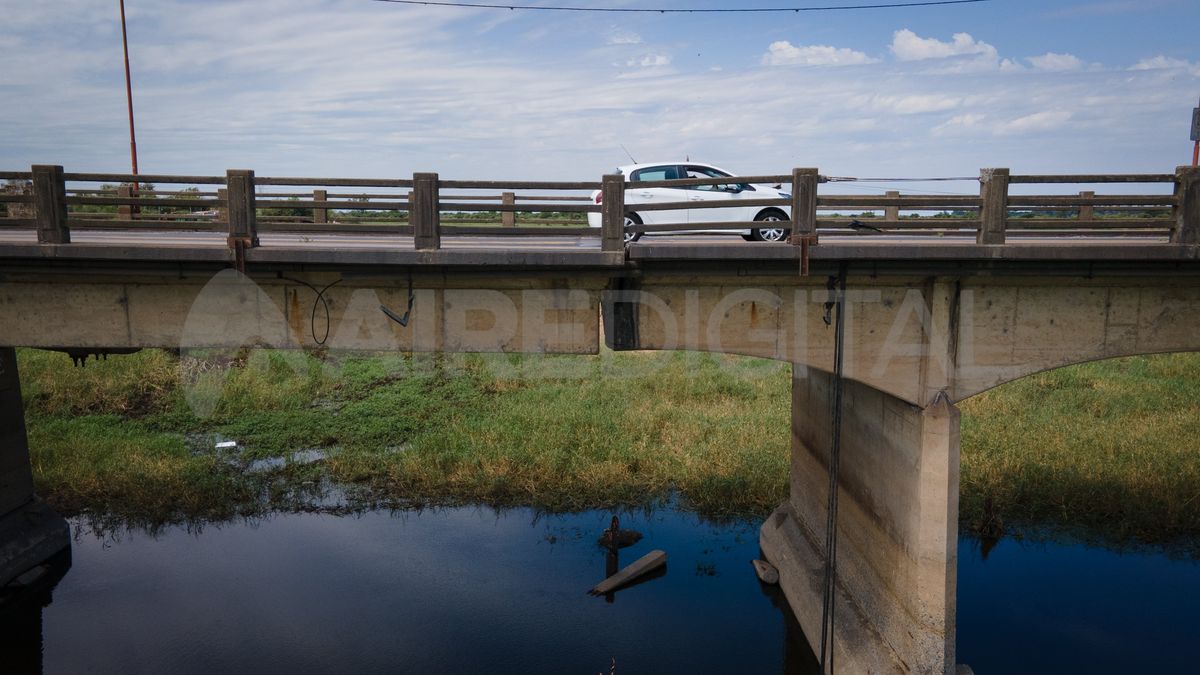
<point>426,313</point>
<point>897,526</point>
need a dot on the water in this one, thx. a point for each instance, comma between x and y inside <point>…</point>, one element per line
<point>1070,608</point>
<point>448,591</point>
<point>475,590</point>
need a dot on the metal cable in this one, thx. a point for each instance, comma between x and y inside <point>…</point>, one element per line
<point>829,600</point>
<point>312,319</point>
<point>729,10</point>
<point>852,179</point>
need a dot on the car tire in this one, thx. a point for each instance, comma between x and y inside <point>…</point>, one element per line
<point>632,219</point>
<point>772,234</point>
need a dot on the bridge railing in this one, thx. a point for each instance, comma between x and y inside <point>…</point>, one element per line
<point>991,215</point>
<point>240,205</point>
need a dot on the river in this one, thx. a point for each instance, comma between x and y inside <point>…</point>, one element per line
<point>477,590</point>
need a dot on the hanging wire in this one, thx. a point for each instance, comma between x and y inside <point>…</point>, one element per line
<point>319,301</point>
<point>837,286</point>
<point>715,10</point>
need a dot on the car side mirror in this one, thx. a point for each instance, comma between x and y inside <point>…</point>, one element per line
<point>733,188</point>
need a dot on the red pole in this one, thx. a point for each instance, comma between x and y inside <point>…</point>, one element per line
<point>1196,153</point>
<point>129,97</point>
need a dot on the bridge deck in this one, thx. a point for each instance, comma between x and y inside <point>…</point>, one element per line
<point>575,252</point>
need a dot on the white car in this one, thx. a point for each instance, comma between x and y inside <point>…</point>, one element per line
<point>705,219</point>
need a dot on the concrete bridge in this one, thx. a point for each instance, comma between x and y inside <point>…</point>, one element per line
<point>933,313</point>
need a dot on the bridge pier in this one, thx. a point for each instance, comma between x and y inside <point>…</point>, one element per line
<point>897,526</point>
<point>31,533</point>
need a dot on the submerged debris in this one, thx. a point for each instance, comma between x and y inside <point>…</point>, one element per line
<point>614,537</point>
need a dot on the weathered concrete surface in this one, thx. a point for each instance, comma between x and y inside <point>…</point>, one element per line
<point>897,525</point>
<point>449,313</point>
<point>916,336</point>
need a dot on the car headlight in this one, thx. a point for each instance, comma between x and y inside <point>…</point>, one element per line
<point>785,195</point>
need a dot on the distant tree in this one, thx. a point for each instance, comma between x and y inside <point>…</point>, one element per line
<point>16,187</point>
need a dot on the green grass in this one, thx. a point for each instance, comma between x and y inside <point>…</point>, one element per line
<point>1107,450</point>
<point>495,429</point>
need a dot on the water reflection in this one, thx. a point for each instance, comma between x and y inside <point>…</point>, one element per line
<point>475,590</point>
<point>454,590</point>
<point>21,608</point>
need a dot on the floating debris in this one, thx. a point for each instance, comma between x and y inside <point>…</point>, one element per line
<point>766,572</point>
<point>224,445</point>
<point>647,563</point>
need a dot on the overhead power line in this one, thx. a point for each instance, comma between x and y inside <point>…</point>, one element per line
<point>667,10</point>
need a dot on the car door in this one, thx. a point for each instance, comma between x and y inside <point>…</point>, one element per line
<point>635,195</point>
<point>724,192</point>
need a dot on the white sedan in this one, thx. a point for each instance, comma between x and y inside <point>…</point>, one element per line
<point>771,217</point>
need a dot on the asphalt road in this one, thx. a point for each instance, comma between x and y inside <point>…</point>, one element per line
<point>535,243</point>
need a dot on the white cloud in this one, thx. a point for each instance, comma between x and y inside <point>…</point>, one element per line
<point>1161,62</point>
<point>650,61</point>
<point>224,83</point>
<point>785,53</point>
<point>1046,120</point>
<point>914,104</point>
<point>1055,62</point>
<point>624,38</point>
<point>908,46</point>
<point>967,121</point>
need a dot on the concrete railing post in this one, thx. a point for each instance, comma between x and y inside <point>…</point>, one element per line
<point>892,211</point>
<point>612,212</point>
<point>320,215</point>
<point>1187,206</point>
<point>508,218</point>
<point>243,221</point>
<point>50,204</point>
<point>1087,211</point>
<point>993,207</point>
<point>424,212</point>
<point>125,211</point>
<point>804,202</point>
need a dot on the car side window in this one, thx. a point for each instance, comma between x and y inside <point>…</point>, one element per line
<point>706,172</point>
<point>655,173</point>
<point>698,172</point>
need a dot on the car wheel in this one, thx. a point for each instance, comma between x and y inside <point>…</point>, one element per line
<point>632,219</point>
<point>769,233</point>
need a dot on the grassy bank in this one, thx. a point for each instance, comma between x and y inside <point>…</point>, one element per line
<point>1109,450</point>
<point>137,434</point>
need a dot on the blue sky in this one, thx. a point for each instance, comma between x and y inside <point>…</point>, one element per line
<point>362,88</point>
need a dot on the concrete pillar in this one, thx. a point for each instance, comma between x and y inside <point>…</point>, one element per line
<point>16,477</point>
<point>898,526</point>
<point>30,532</point>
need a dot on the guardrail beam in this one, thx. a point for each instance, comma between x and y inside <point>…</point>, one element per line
<point>50,204</point>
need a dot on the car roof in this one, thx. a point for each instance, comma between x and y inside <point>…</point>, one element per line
<point>630,168</point>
